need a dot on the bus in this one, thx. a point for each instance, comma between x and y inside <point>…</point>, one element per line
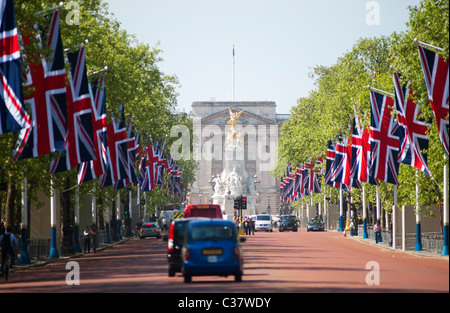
<point>203,210</point>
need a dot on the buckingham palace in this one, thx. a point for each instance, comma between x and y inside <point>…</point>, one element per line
<point>235,144</point>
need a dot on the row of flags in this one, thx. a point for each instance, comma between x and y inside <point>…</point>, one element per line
<point>373,154</point>
<point>70,120</point>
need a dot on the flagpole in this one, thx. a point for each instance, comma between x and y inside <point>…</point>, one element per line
<point>381,91</point>
<point>379,211</point>
<point>364,205</point>
<point>341,210</point>
<point>418,246</point>
<point>233,82</point>
<point>59,6</point>
<point>424,44</point>
<point>445,209</point>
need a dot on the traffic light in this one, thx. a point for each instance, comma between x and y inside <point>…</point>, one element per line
<point>244,203</point>
<point>237,204</point>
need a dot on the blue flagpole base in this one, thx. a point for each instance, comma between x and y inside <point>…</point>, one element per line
<point>108,239</point>
<point>24,256</point>
<point>53,250</point>
<point>77,239</point>
<point>444,250</point>
<point>365,235</point>
<point>418,246</point>
<point>341,223</point>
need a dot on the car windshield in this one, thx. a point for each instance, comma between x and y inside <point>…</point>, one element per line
<point>263,218</point>
<point>212,232</point>
<point>315,222</point>
<point>288,219</point>
<point>149,226</point>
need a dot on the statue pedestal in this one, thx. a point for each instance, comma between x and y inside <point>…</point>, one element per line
<point>234,181</point>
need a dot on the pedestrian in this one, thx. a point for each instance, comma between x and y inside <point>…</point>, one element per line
<point>246,226</point>
<point>377,231</point>
<point>8,244</point>
<point>87,240</point>
<point>252,226</point>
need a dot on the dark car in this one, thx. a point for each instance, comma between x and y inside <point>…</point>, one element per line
<point>287,222</point>
<point>149,230</point>
<point>177,232</point>
<point>315,224</point>
<point>212,247</point>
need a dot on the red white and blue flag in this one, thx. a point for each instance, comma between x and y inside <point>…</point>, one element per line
<point>384,138</point>
<point>117,149</point>
<point>79,141</point>
<point>13,116</point>
<point>435,71</point>
<point>412,130</point>
<point>48,99</point>
<point>95,168</point>
<point>361,152</point>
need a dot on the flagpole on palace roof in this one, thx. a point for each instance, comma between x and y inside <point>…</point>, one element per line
<point>233,82</point>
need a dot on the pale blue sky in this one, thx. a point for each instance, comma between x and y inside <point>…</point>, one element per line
<point>277,42</point>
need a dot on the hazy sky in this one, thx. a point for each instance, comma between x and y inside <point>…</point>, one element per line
<point>277,42</point>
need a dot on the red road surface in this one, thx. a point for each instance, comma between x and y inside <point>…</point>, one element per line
<point>274,262</point>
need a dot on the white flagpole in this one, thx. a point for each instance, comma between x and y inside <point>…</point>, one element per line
<point>233,86</point>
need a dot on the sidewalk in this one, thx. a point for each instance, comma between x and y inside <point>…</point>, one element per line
<point>385,245</point>
<point>43,262</point>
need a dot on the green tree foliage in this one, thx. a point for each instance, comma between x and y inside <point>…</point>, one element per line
<point>133,80</point>
<point>328,110</point>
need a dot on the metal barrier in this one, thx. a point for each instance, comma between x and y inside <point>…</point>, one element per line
<point>431,242</point>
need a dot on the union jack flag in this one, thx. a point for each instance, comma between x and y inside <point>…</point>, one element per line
<point>117,138</point>
<point>95,168</point>
<point>13,116</point>
<point>151,166</point>
<point>435,70</point>
<point>412,130</point>
<point>384,138</point>
<point>79,141</point>
<point>331,156</point>
<point>298,188</point>
<point>361,151</point>
<point>129,161</point>
<point>342,163</point>
<point>48,99</point>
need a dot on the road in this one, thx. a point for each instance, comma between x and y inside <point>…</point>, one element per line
<point>274,263</point>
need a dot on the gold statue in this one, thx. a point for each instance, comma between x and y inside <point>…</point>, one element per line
<point>233,122</point>
<point>234,118</point>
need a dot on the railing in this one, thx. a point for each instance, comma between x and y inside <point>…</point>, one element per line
<point>431,242</point>
<point>39,248</point>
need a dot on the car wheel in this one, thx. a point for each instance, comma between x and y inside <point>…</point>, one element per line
<point>140,237</point>
<point>187,278</point>
<point>171,272</point>
<point>238,277</point>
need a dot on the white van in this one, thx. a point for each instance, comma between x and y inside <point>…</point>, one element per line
<point>263,222</point>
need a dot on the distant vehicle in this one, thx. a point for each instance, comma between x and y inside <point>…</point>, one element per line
<point>203,210</point>
<point>176,238</point>
<point>315,224</point>
<point>212,247</point>
<point>287,222</point>
<point>263,222</point>
<point>150,230</point>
